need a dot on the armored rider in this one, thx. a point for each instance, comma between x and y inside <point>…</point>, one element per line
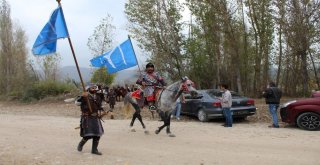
<point>151,82</point>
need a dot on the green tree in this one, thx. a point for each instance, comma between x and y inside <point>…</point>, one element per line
<point>49,66</point>
<point>156,25</point>
<point>262,23</point>
<point>244,43</point>
<point>13,54</point>
<point>101,76</point>
<point>102,38</point>
<point>100,42</point>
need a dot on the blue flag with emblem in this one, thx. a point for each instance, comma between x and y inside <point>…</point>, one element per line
<point>119,58</point>
<point>46,42</point>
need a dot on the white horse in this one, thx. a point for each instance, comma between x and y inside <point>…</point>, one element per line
<point>165,103</point>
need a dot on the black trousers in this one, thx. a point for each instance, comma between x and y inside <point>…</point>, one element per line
<point>95,138</point>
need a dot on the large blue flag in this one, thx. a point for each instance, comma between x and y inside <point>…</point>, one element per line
<point>119,58</point>
<point>56,28</point>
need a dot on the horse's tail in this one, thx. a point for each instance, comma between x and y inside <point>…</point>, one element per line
<point>126,102</point>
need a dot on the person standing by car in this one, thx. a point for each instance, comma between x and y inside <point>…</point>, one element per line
<point>226,103</point>
<point>177,111</point>
<point>272,95</point>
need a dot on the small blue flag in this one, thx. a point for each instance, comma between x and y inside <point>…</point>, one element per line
<point>56,28</point>
<point>120,58</point>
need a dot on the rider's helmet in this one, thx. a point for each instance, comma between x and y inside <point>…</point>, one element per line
<point>91,85</point>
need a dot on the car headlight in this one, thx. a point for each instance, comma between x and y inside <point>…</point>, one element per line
<point>288,103</point>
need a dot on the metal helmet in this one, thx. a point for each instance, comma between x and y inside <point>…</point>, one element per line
<point>90,85</point>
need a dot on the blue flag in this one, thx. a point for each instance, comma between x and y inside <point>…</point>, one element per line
<point>119,58</point>
<point>56,28</point>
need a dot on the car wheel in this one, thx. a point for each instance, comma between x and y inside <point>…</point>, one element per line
<point>309,121</point>
<point>202,116</point>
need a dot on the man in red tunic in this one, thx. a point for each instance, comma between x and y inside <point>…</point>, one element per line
<point>151,81</point>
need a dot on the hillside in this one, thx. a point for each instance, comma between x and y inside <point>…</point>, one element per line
<point>127,76</point>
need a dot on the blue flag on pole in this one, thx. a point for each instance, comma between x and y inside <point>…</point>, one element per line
<point>56,28</point>
<point>119,58</point>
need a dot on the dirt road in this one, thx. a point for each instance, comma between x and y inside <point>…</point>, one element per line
<point>28,138</point>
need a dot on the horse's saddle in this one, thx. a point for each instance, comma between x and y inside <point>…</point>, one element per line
<point>142,101</point>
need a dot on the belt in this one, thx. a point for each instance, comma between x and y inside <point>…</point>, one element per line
<point>87,114</point>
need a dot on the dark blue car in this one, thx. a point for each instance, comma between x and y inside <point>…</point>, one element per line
<point>207,105</point>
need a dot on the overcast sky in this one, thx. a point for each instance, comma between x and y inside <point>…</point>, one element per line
<point>82,16</point>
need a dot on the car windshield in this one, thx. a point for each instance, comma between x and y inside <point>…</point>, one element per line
<point>218,93</point>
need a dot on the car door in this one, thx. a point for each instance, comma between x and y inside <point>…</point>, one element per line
<point>191,105</point>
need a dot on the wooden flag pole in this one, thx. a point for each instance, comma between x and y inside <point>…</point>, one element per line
<point>135,55</point>
<point>75,60</point>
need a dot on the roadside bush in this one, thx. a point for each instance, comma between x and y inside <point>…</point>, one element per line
<point>48,88</point>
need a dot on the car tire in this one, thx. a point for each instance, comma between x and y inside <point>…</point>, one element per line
<point>202,116</point>
<point>309,121</point>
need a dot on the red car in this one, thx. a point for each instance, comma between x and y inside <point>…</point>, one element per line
<point>304,112</point>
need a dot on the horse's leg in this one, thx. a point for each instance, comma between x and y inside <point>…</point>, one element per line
<point>134,116</point>
<point>138,115</point>
<point>140,119</point>
<point>143,126</point>
<point>162,116</point>
<point>168,121</point>
<point>160,128</point>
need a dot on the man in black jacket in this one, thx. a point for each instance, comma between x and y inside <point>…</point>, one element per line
<point>272,95</point>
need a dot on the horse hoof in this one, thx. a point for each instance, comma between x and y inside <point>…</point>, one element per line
<point>133,130</point>
<point>157,131</point>
<point>171,135</point>
<point>146,132</point>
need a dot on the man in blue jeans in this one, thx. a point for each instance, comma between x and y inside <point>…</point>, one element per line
<point>272,95</point>
<point>176,112</point>
<point>226,104</point>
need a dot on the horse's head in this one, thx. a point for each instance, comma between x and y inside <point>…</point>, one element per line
<point>187,86</point>
<point>171,93</point>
